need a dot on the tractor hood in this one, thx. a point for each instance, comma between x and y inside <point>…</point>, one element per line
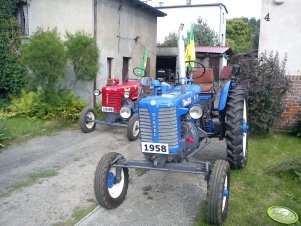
<point>170,99</point>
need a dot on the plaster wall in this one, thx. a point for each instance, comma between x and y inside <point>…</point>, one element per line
<point>124,31</point>
<point>283,32</point>
<point>66,15</point>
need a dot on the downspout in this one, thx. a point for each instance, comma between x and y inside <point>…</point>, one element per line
<point>95,37</point>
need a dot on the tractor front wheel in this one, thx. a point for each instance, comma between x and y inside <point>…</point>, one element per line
<point>87,115</point>
<point>133,128</point>
<point>237,128</point>
<point>109,192</point>
<point>218,192</point>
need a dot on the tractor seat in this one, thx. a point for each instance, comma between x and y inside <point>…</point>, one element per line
<point>205,80</point>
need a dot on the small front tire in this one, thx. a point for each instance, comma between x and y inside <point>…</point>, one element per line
<point>86,115</point>
<point>218,192</point>
<point>109,193</point>
<point>133,128</point>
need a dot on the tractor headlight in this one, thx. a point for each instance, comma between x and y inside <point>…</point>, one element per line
<point>126,94</point>
<point>196,112</point>
<point>125,112</point>
<point>97,92</point>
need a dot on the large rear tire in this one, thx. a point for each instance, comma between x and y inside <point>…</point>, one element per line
<point>86,115</point>
<point>237,128</point>
<point>109,193</point>
<point>218,192</point>
<point>133,128</point>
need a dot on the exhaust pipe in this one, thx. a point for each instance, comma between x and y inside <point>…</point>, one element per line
<point>181,57</point>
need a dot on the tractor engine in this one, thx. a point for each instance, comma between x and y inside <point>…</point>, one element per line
<point>166,127</point>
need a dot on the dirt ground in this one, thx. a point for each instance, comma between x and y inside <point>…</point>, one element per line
<point>74,155</point>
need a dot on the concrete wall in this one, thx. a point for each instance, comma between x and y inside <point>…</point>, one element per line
<point>214,15</point>
<point>283,34</point>
<point>118,25</point>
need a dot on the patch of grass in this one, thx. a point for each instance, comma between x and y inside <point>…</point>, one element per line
<point>32,179</point>
<point>269,179</point>
<point>140,172</point>
<point>78,214</point>
<point>19,129</point>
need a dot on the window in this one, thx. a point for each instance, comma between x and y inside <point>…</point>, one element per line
<point>109,67</point>
<point>22,17</point>
<point>125,68</point>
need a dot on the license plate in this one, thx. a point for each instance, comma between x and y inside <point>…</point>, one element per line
<point>107,109</point>
<point>154,148</point>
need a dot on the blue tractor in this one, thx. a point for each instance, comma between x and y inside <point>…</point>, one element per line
<point>175,123</point>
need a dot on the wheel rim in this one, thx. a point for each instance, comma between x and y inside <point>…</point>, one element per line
<point>245,129</point>
<point>136,128</point>
<point>115,190</point>
<point>89,116</point>
<point>225,194</point>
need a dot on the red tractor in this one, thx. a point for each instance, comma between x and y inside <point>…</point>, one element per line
<point>119,105</point>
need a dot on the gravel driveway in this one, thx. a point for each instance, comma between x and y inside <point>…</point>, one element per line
<point>153,198</point>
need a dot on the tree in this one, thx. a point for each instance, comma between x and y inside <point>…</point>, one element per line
<point>238,36</point>
<point>12,74</point>
<point>171,40</point>
<point>254,26</point>
<point>45,57</point>
<point>204,35</point>
<point>83,52</point>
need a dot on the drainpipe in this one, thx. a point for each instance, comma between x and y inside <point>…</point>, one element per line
<point>95,37</point>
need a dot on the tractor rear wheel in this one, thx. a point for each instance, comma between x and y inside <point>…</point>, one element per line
<point>237,128</point>
<point>133,128</point>
<point>109,193</point>
<point>85,118</point>
<point>218,192</point>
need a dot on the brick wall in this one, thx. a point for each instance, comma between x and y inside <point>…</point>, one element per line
<point>292,104</point>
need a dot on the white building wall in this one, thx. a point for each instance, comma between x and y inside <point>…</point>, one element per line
<point>283,32</point>
<point>215,16</point>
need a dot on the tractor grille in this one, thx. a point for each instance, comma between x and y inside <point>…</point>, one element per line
<point>167,126</point>
<point>111,99</point>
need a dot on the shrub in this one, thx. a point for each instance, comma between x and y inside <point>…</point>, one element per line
<point>45,57</point>
<point>296,130</point>
<point>83,53</point>
<point>267,85</point>
<point>33,105</point>
<point>12,78</point>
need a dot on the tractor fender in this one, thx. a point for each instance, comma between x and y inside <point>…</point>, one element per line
<point>224,96</point>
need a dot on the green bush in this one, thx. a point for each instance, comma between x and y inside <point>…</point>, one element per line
<point>12,78</point>
<point>70,107</point>
<point>34,105</point>
<point>267,84</point>
<point>83,53</point>
<point>45,57</point>
<point>296,130</point>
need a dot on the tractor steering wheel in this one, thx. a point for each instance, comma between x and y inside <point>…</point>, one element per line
<point>194,69</point>
<point>139,72</point>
